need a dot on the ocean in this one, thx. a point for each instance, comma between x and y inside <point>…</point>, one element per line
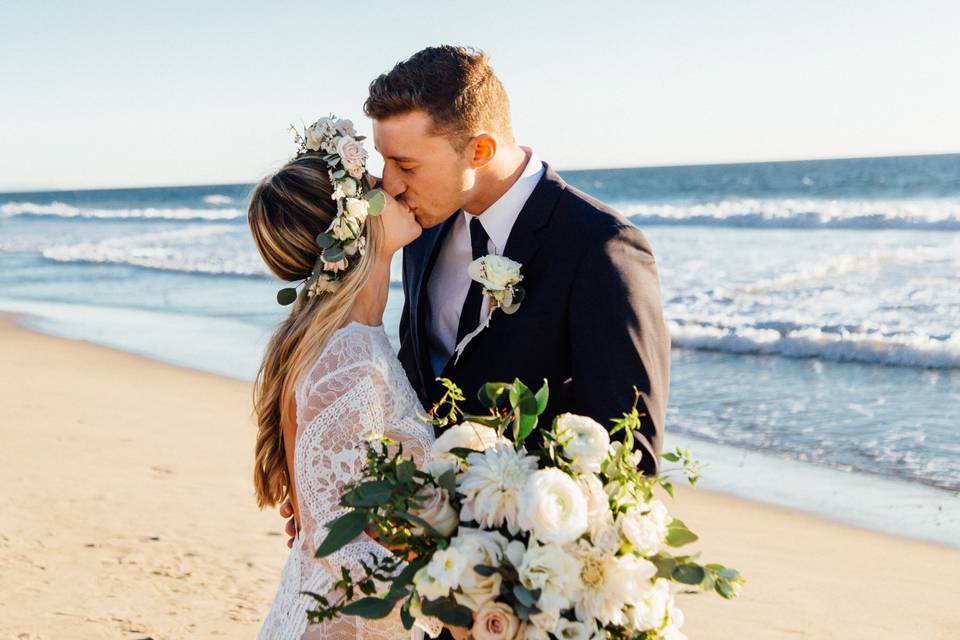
<point>814,308</point>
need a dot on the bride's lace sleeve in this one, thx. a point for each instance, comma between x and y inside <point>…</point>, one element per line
<point>343,401</point>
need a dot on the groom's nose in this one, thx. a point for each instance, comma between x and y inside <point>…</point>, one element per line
<point>391,182</point>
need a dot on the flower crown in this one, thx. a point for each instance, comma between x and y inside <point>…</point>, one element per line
<point>342,244</point>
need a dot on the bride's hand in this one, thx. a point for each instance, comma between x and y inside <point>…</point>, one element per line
<point>286,511</point>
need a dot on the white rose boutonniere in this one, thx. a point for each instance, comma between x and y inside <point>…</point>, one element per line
<point>500,278</point>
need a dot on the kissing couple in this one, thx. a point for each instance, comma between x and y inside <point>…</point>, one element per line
<point>508,273</point>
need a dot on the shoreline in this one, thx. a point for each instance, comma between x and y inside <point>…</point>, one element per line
<point>775,480</point>
<point>129,512</point>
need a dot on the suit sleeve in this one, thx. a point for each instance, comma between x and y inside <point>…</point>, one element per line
<point>619,339</point>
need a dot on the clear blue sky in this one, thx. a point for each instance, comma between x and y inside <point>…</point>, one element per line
<point>138,93</point>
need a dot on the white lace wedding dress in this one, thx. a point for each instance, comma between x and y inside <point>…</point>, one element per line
<point>356,388</point>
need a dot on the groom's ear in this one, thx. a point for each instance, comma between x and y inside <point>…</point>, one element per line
<point>483,148</point>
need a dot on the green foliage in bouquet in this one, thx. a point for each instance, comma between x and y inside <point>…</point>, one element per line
<point>392,491</point>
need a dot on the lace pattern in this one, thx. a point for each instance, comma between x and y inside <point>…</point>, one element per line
<point>356,389</point>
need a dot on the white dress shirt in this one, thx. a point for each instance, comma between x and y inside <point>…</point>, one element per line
<point>449,282</point>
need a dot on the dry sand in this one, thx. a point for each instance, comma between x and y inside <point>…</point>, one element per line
<point>126,511</point>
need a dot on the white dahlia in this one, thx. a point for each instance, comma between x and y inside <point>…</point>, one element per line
<point>610,583</point>
<point>492,483</point>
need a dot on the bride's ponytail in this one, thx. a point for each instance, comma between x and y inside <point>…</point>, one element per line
<point>286,213</point>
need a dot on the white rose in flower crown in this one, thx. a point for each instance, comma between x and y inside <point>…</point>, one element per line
<point>552,507</point>
<point>350,151</point>
<point>435,508</point>
<point>358,208</point>
<point>492,483</point>
<point>495,273</point>
<point>345,127</point>
<point>554,572</point>
<point>467,435</point>
<point>588,445</point>
<point>481,548</point>
<point>495,621</point>
<point>319,134</point>
<point>645,527</point>
<point>340,229</point>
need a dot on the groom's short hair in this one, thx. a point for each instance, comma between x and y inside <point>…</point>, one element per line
<point>455,86</point>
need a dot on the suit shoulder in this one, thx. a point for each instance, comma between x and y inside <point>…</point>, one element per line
<point>594,220</point>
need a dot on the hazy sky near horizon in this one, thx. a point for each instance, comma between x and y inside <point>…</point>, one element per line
<point>113,94</point>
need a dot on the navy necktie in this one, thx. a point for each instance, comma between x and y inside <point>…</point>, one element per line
<point>470,316</point>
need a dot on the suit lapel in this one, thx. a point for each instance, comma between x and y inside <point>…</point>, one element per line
<point>430,243</point>
<point>522,244</point>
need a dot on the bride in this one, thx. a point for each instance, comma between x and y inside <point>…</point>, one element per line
<point>329,377</point>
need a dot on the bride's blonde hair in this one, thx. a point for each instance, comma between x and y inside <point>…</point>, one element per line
<point>286,213</point>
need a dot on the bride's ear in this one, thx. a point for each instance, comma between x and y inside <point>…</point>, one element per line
<point>484,148</point>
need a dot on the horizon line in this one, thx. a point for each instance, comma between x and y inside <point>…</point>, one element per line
<point>560,170</point>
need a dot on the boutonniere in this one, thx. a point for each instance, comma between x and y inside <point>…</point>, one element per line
<point>500,278</point>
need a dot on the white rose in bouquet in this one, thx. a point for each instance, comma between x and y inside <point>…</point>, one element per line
<point>436,509</point>
<point>552,570</point>
<point>468,435</point>
<point>588,442</point>
<point>599,516</point>
<point>552,507</point>
<point>645,527</point>
<point>495,621</point>
<point>481,548</point>
<point>492,483</point>
<point>575,630</point>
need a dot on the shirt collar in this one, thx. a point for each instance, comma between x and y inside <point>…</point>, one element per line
<point>499,217</point>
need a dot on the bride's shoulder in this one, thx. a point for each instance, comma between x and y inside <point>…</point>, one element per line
<point>351,348</point>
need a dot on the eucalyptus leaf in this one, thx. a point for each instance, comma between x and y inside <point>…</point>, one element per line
<point>484,570</point>
<point>325,241</point>
<point>406,618</point>
<point>449,612</point>
<point>406,470</point>
<point>287,296</point>
<point>665,566</point>
<point>689,574</point>
<point>333,254</point>
<point>368,494</point>
<point>376,201</point>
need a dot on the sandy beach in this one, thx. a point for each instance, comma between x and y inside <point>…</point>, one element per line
<point>126,511</point>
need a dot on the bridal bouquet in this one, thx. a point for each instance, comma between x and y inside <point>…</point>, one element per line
<point>567,540</point>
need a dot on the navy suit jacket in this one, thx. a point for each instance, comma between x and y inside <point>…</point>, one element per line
<point>591,323</point>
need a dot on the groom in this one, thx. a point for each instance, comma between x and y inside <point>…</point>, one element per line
<point>591,323</point>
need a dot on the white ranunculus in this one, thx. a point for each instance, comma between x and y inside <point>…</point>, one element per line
<point>480,548</point>
<point>350,151</point>
<point>552,507</point>
<point>495,621</point>
<point>588,444</point>
<point>441,574</point>
<point>554,572</point>
<point>357,209</point>
<point>492,483</point>
<point>467,435</point>
<point>494,272</point>
<point>645,527</point>
<point>609,583</point>
<point>435,508</point>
